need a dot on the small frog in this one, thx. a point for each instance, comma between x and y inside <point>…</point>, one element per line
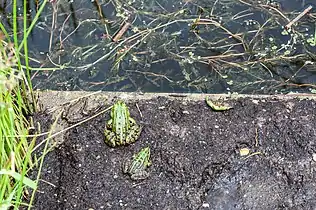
<point>216,106</point>
<point>121,129</point>
<point>136,167</point>
<point>75,111</point>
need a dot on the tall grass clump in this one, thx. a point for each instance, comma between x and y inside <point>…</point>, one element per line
<point>14,147</point>
<point>16,102</point>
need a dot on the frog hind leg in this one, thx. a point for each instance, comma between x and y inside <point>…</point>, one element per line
<point>110,138</point>
<point>133,135</point>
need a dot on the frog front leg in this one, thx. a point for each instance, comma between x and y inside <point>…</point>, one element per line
<point>125,166</point>
<point>140,175</point>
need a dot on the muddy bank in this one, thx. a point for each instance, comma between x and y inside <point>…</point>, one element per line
<point>196,162</point>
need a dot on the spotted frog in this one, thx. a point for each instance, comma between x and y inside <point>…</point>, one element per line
<point>121,129</point>
<point>136,167</point>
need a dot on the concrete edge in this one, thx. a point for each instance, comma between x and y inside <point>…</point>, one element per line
<point>137,95</point>
<point>49,99</point>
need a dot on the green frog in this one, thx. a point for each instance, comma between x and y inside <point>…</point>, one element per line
<point>121,129</point>
<point>136,167</point>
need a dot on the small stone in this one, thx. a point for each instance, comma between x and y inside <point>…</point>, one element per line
<point>205,205</point>
<point>244,151</point>
<point>314,157</point>
<point>255,101</point>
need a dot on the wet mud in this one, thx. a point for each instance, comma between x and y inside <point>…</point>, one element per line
<point>196,160</point>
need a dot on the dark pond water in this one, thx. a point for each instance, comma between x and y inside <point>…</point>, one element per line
<point>213,46</point>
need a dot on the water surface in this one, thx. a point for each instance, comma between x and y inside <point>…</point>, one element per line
<point>206,46</point>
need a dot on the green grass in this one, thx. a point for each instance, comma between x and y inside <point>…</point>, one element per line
<point>14,150</point>
<point>16,101</point>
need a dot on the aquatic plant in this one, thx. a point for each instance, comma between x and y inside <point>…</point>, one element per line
<point>184,45</point>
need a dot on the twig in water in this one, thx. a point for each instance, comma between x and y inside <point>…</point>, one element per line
<point>54,22</point>
<point>62,29</point>
<point>288,26</point>
<point>121,32</point>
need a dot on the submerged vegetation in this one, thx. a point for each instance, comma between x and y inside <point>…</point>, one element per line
<point>191,46</point>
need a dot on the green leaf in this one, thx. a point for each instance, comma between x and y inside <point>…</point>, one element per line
<point>313,91</point>
<point>30,183</point>
<point>285,32</point>
<point>7,203</point>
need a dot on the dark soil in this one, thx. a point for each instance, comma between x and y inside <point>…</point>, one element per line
<point>195,156</point>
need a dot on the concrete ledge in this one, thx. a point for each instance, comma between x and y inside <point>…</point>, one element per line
<point>49,99</point>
